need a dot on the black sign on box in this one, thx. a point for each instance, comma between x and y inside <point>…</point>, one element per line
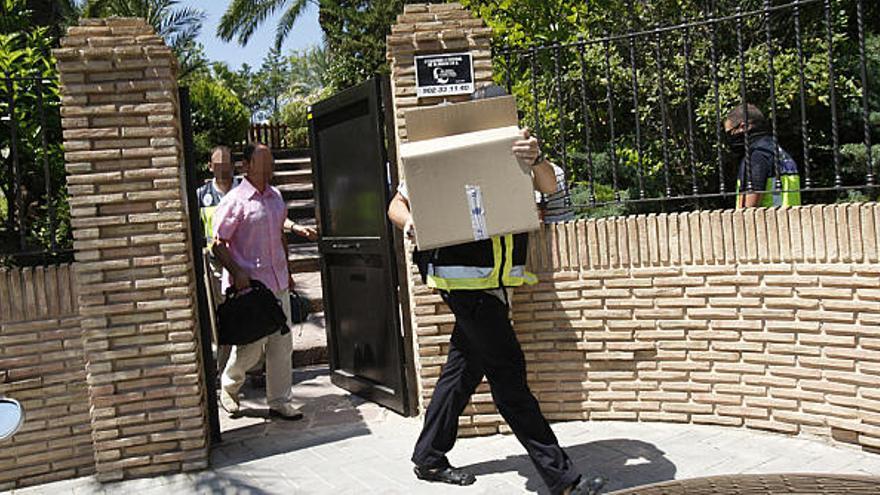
<point>444,74</point>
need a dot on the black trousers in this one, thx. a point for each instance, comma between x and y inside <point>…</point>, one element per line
<point>483,343</point>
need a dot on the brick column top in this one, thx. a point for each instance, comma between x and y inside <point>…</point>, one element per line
<point>424,29</point>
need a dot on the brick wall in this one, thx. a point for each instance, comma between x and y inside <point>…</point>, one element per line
<point>763,318</point>
<point>41,366</point>
<point>123,149</point>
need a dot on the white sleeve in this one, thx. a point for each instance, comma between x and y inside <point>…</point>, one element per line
<point>403,190</point>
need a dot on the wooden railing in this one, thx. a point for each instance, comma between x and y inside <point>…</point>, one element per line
<point>271,134</point>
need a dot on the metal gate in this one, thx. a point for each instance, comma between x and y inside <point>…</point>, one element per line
<point>359,270</point>
<point>204,309</point>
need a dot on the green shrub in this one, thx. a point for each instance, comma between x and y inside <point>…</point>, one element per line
<point>294,114</point>
<point>218,117</point>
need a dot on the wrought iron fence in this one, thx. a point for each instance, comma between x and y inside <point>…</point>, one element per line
<point>635,118</point>
<point>34,213</point>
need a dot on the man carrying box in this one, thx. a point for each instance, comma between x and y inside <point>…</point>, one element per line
<point>472,279</point>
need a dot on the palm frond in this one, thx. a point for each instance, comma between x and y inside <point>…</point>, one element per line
<point>180,24</point>
<point>287,21</point>
<point>242,18</point>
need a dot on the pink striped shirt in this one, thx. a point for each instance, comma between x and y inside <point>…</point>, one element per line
<point>250,223</point>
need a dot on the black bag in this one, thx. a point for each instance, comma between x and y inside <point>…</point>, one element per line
<point>300,307</point>
<point>246,317</point>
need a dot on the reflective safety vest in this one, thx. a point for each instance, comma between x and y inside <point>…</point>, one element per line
<point>206,213</point>
<point>788,191</point>
<point>209,198</point>
<point>488,264</point>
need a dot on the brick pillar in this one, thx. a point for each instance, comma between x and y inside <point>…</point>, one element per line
<point>124,154</point>
<point>425,29</point>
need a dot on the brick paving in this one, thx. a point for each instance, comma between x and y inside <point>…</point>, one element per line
<point>346,445</point>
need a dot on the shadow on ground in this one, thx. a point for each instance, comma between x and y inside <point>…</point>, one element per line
<point>625,462</point>
<point>223,483</point>
<point>330,415</point>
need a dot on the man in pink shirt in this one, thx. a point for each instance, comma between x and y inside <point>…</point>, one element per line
<point>249,243</point>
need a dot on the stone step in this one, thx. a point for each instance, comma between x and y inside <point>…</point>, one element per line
<point>296,191</point>
<point>284,177</point>
<point>303,258</point>
<point>300,209</point>
<point>287,164</point>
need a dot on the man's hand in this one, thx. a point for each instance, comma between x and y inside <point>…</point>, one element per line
<point>526,149</point>
<point>240,280</point>
<point>409,229</point>
<point>309,233</point>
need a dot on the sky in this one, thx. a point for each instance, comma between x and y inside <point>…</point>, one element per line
<point>305,33</point>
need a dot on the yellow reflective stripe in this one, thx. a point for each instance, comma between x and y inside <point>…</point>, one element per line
<point>489,282</point>
<point>791,195</point>
<point>527,278</point>
<point>462,283</point>
<point>207,215</point>
<point>496,257</point>
<point>509,279</point>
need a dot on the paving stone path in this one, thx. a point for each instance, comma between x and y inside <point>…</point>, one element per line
<point>348,446</point>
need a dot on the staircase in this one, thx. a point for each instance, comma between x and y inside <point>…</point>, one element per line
<point>293,177</point>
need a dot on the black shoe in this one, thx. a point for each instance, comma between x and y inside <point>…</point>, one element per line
<point>449,474</point>
<point>588,486</point>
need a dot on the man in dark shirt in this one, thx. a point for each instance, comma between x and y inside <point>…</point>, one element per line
<point>762,159</point>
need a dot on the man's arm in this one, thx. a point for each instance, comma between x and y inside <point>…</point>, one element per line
<point>309,233</point>
<point>240,278</point>
<point>750,200</point>
<point>400,216</point>
<point>226,220</point>
<point>527,151</point>
<point>544,177</point>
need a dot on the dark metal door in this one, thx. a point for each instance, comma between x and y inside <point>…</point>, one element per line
<point>358,267</point>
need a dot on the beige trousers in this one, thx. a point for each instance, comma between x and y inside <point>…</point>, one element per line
<point>279,371</point>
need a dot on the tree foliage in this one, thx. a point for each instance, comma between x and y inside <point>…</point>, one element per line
<point>218,116</point>
<point>274,79</point>
<point>279,80</point>
<point>32,85</point>
<point>294,115</point>
<point>309,70</point>
<point>243,82</point>
<point>354,31</point>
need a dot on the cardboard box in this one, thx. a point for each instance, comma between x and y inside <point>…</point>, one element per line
<point>464,182</point>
